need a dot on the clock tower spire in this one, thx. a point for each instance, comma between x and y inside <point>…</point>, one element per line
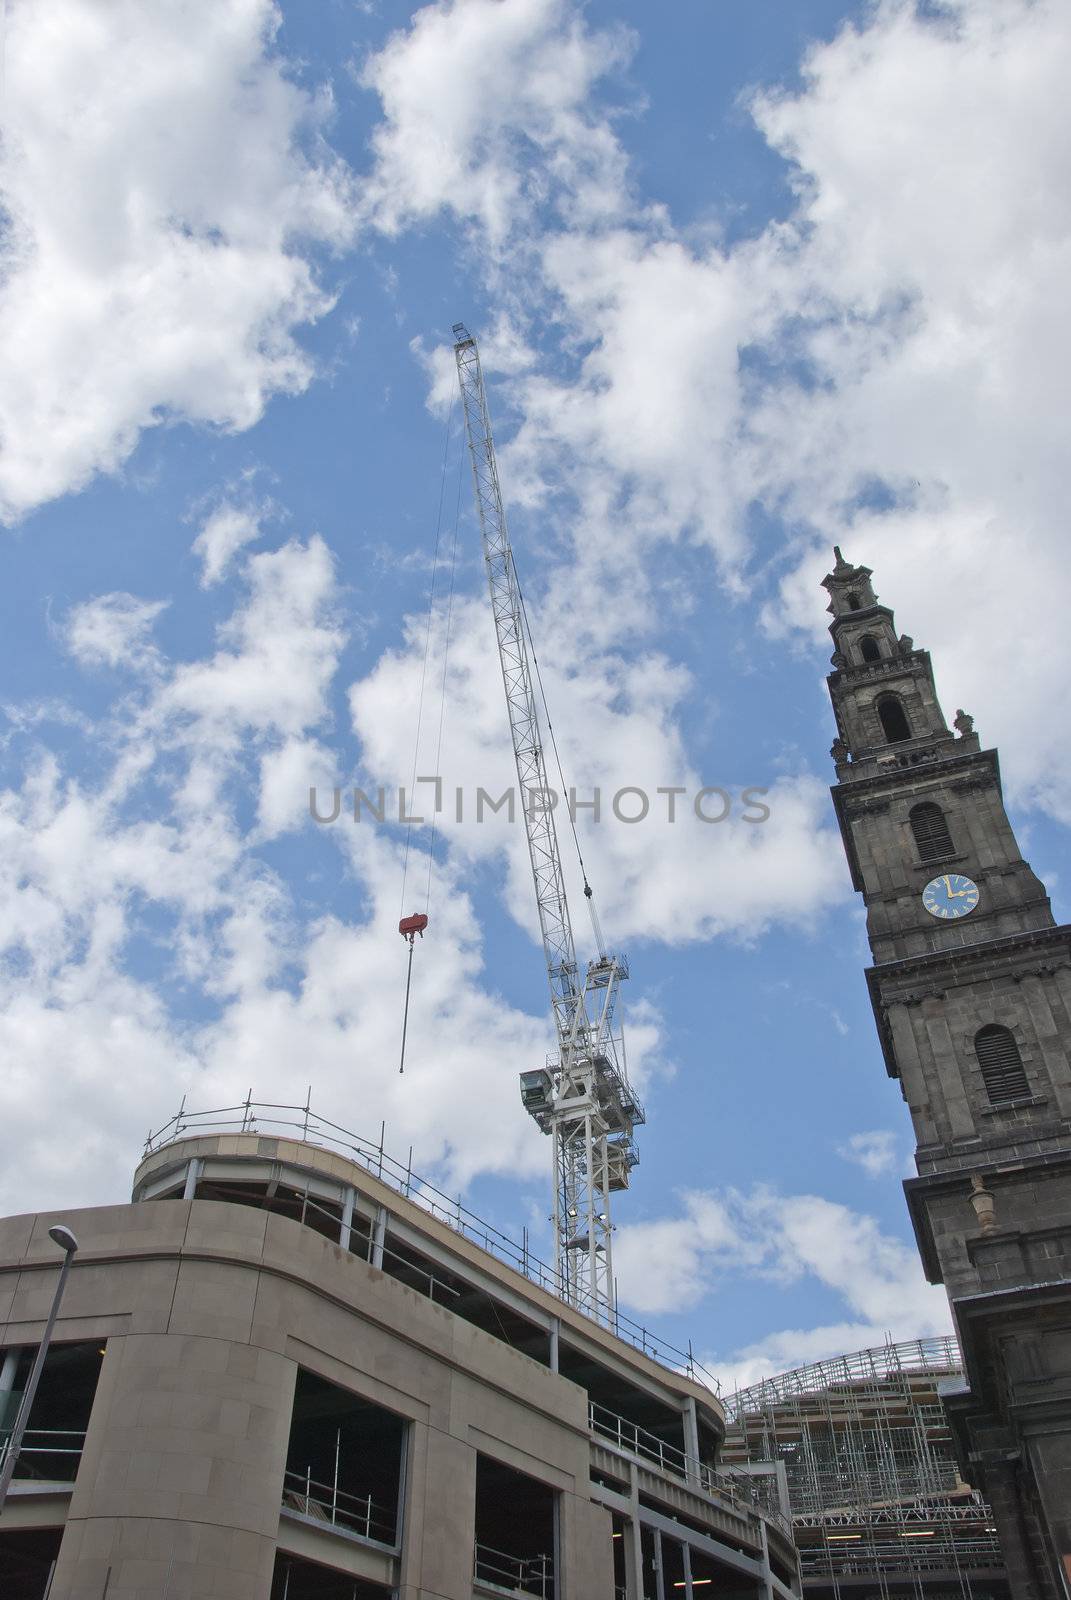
<point>971,989</point>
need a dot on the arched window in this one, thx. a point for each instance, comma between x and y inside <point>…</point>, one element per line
<point>893,719</point>
<point>931,832</point>
<point>869,648</point>
<point>853,602</point>
<point>1001,1064</point>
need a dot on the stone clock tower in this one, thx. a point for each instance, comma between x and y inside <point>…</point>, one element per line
<point>971,989</point>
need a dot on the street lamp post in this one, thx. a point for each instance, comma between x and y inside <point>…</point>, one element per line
<point>68,1244</point>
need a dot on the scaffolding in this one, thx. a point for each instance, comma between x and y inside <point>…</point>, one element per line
<point>877,1502</point>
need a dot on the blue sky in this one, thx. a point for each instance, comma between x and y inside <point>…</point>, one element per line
<point>748,280</point>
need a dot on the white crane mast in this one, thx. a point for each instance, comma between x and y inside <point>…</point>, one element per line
<point>582,1098</point>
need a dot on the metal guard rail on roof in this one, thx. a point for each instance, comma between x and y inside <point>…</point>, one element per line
<point>355,1514</point>
<point>739,1488</point>
<point>511,1574</point>
<point>880,1364</point>
<point>257,1116</point>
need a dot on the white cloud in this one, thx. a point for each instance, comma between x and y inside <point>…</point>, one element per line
<point>154,262</point>
<point>899,341</point>
<point>874,1152</point>
<point>149,952</point>
<point>287,773</point>
<point>931,157</point>
<point>729,1236</point>
<point>113,630</point>
<point>223,533</point>
<point>617,722</point>
<point>280,650</point>
<point>469,91</point>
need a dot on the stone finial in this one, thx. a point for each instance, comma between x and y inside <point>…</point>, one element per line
<point>984,1205</point>
<point>907,644</point>
<point>964,723</point>
<point>840,565</point>
<point>839,750</point>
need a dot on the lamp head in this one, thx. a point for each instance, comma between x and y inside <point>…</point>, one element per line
<point>63,1237</point>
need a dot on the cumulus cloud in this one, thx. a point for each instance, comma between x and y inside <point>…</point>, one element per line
<point>617,721</point>
<point>874,1152</point>
<point>290,615</point>
<point>929,155</point>
<point>113,630</point>
<point>883,368</point>
<point>157,266</point>
<point>728,1236</point>
<point>223,533</point>
<point>469,92</point>
<point>149,950</point>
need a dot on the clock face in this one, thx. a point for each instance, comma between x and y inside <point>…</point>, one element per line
<point>950,895</point>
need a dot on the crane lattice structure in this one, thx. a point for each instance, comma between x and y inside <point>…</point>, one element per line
<point>582,1098</point>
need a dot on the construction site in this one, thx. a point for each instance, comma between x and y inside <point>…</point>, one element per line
<point>863,1453</point>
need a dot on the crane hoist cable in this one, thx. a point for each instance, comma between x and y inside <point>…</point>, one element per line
<point>589,893</point>
<point>413,925</point>
<point>427,644</point>
<point>446,666</point>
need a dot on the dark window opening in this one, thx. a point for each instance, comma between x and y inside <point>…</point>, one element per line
<point>296,1579</point>
<point>649,1559</point>
<point>672,1565</point>
<point>893,719</point>
<point>56,1427</point>
<point>344,1461</point>
<point>1002,1066</point>
<point>515,1517</point>
<point>932,838</point>
<point>26,1561</point>
<point>711,1577</point>
<point>869,648</point>
<point>619,1534</point>
<point>854,603</point>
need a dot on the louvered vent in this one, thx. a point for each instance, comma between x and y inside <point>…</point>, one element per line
<point>931,832</point>
<point>1001,1064</point>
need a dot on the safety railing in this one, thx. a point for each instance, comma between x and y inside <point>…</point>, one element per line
<point>939,1356</point>
<point>47,1455</point>
<point>357,1515</point>
<point>520,1575</point>
<point>723,1482</point>
<point>302,1123</point>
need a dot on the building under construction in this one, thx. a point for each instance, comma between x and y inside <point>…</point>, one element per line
<point>291,1369</point>
<point>862,1449</point>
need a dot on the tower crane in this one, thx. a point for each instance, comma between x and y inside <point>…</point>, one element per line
<point>582,1098</point>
